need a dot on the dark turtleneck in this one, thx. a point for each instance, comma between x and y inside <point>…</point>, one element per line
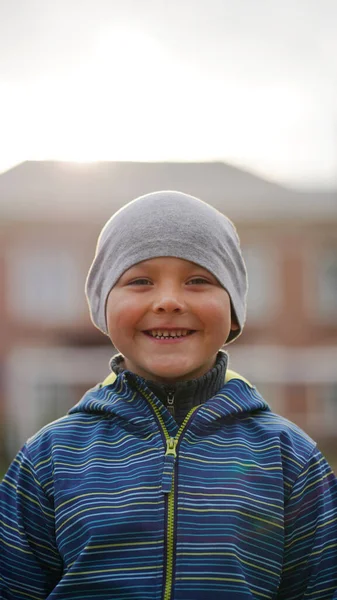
<point>187,394</point>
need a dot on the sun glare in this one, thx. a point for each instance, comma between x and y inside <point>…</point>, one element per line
<point>110,101</point>
<point>132,100</point>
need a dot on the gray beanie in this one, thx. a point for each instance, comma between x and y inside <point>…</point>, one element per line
<point>173,224</point>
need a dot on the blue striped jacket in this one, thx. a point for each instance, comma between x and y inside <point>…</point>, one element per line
<point>114,501</point>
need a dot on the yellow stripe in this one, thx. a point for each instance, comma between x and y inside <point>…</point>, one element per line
<point>126,544</point>
<point>250,499</point>
<point>29,472</point>
<point>231,510</point>
<point>310,485</point>
<point>118,545</point>
<point>35,502</point>
<point>233,375</point>
<point>232,462</point>
<point>224,444</point>
<point>329,547</point>
<point>305,562</point>
<point>123,492</point>
<point>113,570</point>
<point>24,594</point>
<point>109,379</point>
<point>334,520</point>
<point>9,483</point>
<point>229,579</point>
<point>106,507</point>
<point>16,547</point>
<point>231,401</point>
<point>197,554</point>
<point>213,412</point>
<point>10,527</point>
<point>101,443</point>
<point>107,460</point>
<point>43,462</point>
<point>210,578</point>
<point>290,459</point>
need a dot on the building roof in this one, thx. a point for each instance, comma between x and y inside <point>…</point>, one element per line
<point>46,190</point>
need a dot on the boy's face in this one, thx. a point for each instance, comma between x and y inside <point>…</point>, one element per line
<point>164,296</point>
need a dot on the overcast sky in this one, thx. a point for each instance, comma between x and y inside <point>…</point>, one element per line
<point>253,82</point>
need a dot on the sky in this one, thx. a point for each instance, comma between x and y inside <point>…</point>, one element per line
<point>250,82</point>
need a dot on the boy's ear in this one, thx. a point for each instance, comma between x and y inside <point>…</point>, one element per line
<point>234,322</point>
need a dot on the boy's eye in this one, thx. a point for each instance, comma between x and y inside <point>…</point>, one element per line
<point>140,281</point>
<point>198,281</point>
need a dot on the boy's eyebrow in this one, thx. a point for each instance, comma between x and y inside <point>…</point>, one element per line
<point>138,267</point>
<point>150,266</point>
<point>144,263</point>
<point>135,271</point>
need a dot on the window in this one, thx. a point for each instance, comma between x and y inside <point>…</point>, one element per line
<point>44,285</point>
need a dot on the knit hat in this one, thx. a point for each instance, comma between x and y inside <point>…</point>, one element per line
<point>167,223</point>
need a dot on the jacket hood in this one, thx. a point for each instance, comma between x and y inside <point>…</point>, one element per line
<point>127,396</point>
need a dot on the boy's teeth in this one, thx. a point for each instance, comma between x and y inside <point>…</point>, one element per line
<point>165,333</point>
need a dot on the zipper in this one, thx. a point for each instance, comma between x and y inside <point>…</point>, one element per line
<point>169,464</point>
<point>171,452</point>
<point>169,489</point>
<point>170,402</point>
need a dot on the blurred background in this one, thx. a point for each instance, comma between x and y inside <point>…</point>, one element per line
<point>234,102</point>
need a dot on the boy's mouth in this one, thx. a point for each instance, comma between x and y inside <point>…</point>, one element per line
<point>164,334</point>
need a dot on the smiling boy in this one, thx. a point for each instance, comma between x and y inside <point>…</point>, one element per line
<point>172,479</point>
<point>169,317</point>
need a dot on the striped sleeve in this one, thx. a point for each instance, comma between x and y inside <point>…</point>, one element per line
<point>30,564</point>
<point>310,550</point>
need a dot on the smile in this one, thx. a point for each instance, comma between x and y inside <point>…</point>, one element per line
<point>164,334</point>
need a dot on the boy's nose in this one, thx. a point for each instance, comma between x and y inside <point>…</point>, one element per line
<point>169,301</point>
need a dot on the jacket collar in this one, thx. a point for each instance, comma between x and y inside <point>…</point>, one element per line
<point>127,397</point>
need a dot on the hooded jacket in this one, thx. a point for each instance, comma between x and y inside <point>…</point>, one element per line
<point>115,501</point>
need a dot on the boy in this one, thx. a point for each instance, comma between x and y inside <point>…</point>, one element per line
<point>172,479</point>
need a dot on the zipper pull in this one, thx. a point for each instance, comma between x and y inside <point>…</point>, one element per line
<point>170,402</point>
<point>171,445</point>
<point>169,462</point>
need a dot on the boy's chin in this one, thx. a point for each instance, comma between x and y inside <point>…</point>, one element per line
<point>166,373</point>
